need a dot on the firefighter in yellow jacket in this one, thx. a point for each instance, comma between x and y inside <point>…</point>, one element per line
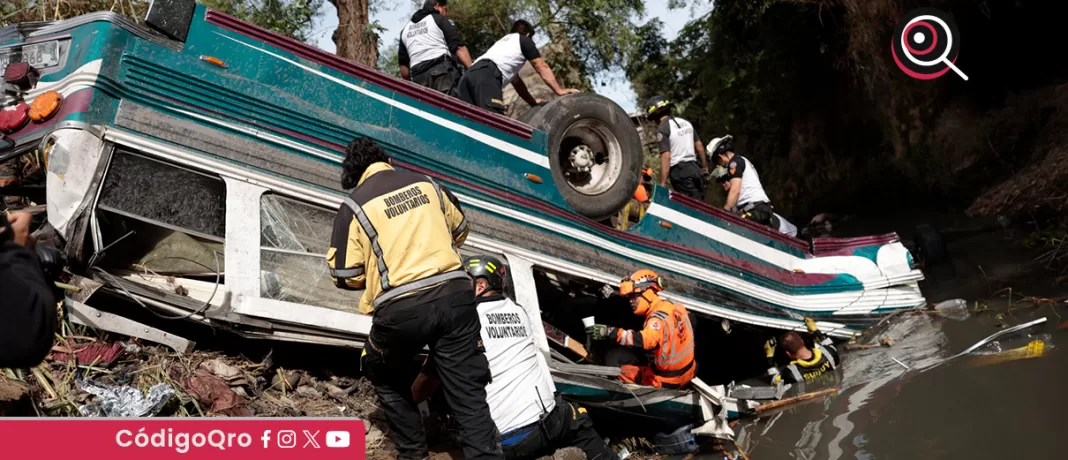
<point>395,236</point>
<point>667,334</point>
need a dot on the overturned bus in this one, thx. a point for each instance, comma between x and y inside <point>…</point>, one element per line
<point>193,165</point>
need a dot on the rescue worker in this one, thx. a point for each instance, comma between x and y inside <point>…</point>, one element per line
<point>805,365</point>
<point>745,195</point>
<point>680,148</point>
<point>533,422</point>
<point>27,301</point>
<point>418,293</point>
<point>667,334</point>
<point>483,84</point>
<point>642,194</point>
<point>427,46</point>
<point>724,179</point>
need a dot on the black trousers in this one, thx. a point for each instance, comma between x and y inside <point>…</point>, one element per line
<point>566,426</point>
<point>686,179</point>
<point>481,85</point>
<point>762,213</point>
<point>450,326</point>
<point>441,75</point>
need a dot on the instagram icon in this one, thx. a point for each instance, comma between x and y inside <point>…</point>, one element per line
<point>287,439</point>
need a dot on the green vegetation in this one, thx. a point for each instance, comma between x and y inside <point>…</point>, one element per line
<point>14,11</point>
<point>809,91</point>
<point>295,18</point>
<point>586,36</point>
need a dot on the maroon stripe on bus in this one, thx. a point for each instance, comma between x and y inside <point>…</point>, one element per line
<point>722,214</point>
<point>845,246</point>
<point>774,273</point>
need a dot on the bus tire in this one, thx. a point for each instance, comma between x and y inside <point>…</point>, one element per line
<point>595,153</point>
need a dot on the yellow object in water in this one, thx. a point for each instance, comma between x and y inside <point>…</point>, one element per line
<point>1034,349</point>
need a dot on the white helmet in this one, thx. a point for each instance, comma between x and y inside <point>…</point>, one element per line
<point>712,146</point>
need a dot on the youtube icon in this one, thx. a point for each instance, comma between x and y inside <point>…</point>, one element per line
<point>337,439</point>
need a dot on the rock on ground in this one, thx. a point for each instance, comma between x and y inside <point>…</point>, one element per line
<point>14,398</point>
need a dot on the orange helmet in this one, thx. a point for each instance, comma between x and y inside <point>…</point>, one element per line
<point>647,173</point>
<point>643,283</point>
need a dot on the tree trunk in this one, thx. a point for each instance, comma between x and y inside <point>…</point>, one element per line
<point>354,38</point>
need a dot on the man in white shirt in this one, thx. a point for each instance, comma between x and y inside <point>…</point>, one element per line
<point>745,194</point>
<point>483,84</point>
<point>680,148</point>
<point>724,179</point>
<point>533,422</point>
<point>427,45</point>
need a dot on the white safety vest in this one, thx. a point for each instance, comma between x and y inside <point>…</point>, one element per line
<point>680,134</point>
<point>520,373</point>
<point>424,40</point>
<point>508,56</point>
<point>752,191</point>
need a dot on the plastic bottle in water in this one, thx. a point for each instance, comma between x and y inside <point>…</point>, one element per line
<point>954,309</point>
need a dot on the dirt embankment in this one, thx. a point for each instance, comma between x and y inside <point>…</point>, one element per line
<point>1040,125</point>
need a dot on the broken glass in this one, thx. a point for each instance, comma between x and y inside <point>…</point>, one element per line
<point>294,238</point>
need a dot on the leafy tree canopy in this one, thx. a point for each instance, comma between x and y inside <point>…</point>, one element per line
<point>295,18</point>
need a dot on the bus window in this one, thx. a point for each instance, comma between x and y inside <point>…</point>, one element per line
<point>294,238</point>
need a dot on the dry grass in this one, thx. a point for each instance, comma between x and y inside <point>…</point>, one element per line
<point>55,393</point>
<point>54,10</point>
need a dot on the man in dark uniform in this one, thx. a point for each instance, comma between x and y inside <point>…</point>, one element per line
<point>680,147</point>
<point>427,46</point>
<point>395,237</point>
<point>745,194</point>
<point>483,84</point>
<point>27,301</point>
<point>806,365</point>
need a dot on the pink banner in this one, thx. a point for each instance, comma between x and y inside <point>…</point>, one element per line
<point>167,438</point>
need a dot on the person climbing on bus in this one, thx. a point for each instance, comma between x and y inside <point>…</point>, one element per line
<point>724,179</point>
<point>806,365</point>
<point>745,195</point>
<point>483,84</point>
<point>533,420</point>
<point>427,46</point>
<point>680,148</point>
<point>667,334</point>
<point>418,294</point>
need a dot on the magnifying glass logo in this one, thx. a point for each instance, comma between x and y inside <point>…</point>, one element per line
<point>926,44</point>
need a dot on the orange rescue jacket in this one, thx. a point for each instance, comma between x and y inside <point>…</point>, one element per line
<point>668,335</point>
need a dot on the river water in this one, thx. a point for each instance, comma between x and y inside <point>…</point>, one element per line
<point>968,408</point>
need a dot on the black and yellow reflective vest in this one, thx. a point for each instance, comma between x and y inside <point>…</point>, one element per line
<point>823,362</point>
<point>396,234</point>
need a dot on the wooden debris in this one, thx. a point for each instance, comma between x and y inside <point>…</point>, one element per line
<point>796,399</point>
<point>560,338</point>
<point>883,342</point>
